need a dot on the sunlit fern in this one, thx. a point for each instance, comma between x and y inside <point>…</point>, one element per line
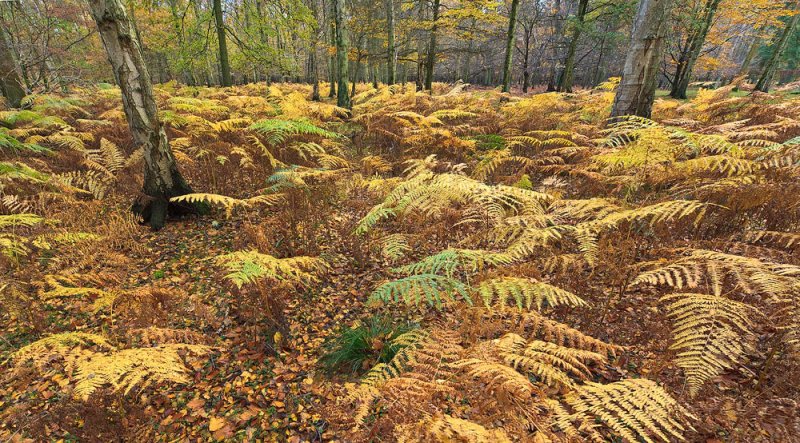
<point>136,368</point>
<point>245,267</point>
<point>447,428</point>
<point>277,131</point>
<point>525,293</point>
<point>451,260</point>
<point>634,409</point>
<point>230,203</point>
<point>711,334</point>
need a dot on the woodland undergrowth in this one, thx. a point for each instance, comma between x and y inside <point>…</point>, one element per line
<point>458,266</point>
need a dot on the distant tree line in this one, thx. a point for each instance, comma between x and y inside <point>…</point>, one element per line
<point>519,44</point>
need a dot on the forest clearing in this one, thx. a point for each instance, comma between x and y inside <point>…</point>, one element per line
<point>417,259</point>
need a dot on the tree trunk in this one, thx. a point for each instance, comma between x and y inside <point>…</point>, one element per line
<point>356,71</point>
<point>748,58</point>
<point>10,81</point>
<point>554,79</point>
<point>637,88</point>
<point>373,63</point>
<point>597,78</point>
<point>312,58</point>
<point>332,58</point>
<point>512,21</point>
<point>429,63</point>
<point>314,74</point>
<point>224,64</point>
<point>339,16</point>
<point>526,75</point>
<point>568,75</point>
<point>771,64</point>
<point>391,53</point>
<point>468,62</point>
<point>683,72</point>
<point>162,179</point>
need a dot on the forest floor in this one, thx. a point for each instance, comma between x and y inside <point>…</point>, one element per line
<point>228,326</point>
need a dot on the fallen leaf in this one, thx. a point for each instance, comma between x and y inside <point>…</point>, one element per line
<point>216,424</point>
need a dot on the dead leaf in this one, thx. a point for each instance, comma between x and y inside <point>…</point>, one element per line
<point>216,424</point>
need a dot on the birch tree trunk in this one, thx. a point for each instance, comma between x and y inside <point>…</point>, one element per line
<point>637,89</point>
<point>10,80</point>
<point>162,179</point>
<point>512,21</point>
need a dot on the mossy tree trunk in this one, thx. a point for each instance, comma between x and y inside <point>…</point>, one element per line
<point>224,64</point>
<point>688,58</point>
<point>429,63</point>
<point>339,16</point>
<point>332,57</point>
<point>10,80</point>
<point>744,69</point>
<point>162,180</point>
<point>778,46</point>
<point>568,75</point>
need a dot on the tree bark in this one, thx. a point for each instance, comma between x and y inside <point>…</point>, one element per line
<point>162,180</point>
<point>339,16</point>
<point>312,58</point>
<point>224,64</point>
<point>683,71</point>
<point>748,58</point>
<point>778,46</point>
<point>391,53</point>
<point>10,80</point>
<point>554,78</point>
<point>526,75</point>
<point>429,63</point>
<point>512,21</point>
<point>637,88</point>
<point>467,76</point>
<point>332,57</point>
<point>568,75</point>
<point>314,74</point>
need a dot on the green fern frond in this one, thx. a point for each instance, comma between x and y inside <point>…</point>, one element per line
<point>451,260</point>
<point>415,289</point>
<point>277,131</point>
